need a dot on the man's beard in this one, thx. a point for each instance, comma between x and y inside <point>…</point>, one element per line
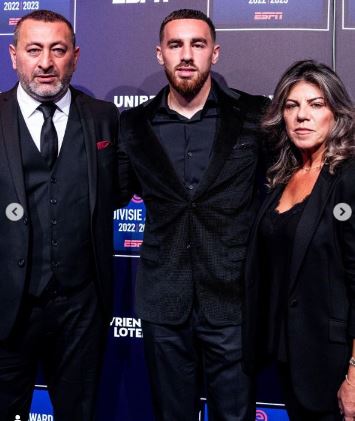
<point>45,92</point>
<point>187,88</point>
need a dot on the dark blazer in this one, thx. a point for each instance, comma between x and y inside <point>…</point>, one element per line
<point>193,244</point>
<point>321,301</point>
<point>99,122</point>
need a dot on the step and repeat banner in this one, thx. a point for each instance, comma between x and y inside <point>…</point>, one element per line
<point>259,39</point>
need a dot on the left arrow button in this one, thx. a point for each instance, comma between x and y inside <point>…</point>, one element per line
<point>14,212</point>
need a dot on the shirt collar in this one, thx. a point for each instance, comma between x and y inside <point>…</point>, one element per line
<point>29,105</point>
<point>164,113</point>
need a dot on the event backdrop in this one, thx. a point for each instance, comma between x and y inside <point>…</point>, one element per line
<point>259,39</point>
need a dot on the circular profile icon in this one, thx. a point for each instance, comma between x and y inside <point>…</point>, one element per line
<point>342,211</point>
<point>14,212</point>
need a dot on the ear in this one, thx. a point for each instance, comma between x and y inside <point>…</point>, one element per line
<point>12,51</point>
<point>76,56</point>
<point>159,55</point>
<point>215,53</point>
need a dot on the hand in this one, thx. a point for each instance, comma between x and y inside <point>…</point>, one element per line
<point>346,400</point>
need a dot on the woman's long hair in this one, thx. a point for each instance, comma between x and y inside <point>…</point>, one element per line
<point>340,144</point>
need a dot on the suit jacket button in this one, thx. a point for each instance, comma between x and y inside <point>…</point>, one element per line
<point>188,246</point>
<point>21,263</point>
<point>293,303</point>
<point>25,220</point>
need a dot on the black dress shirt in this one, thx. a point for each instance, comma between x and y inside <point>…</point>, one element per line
<point>187,142</point>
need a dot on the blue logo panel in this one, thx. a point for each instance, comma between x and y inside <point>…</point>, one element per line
<point>262,414</point>
<point>11,11</point>
<point>270,14</point>
<point>128,227</point>
<point>41,408</point>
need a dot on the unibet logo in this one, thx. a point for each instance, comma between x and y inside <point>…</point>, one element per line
<point>129,101</point>
<point>137,1</point>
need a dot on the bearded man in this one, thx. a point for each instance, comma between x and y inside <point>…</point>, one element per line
<point>192,154</point>
<point>57,167</point>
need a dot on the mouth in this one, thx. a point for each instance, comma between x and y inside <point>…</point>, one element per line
<point>303,131</point>
<point>46,78</point>
<point>185,71</point>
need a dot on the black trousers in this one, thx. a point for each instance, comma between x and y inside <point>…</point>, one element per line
<point>295,410</point>
<point>182,358</point>
<point>67,335</point>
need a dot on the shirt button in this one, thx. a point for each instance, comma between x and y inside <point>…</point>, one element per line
<point>53,201</point>
<point>193,205</point>
<point>25,220</point>
<point>189,154</point>
<point>54,243</point>
<point>21,263</point>
<point>54,222</point>
<point>190,187</point>
<point>188,246</point>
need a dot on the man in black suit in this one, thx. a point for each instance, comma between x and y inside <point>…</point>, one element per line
<point>192,154</point>
<point>57,161</point>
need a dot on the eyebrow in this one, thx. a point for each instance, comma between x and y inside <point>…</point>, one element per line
<point>41,44</point>
<point>308,100</point>
<point>179,40</point>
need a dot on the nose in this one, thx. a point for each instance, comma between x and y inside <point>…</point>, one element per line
<point>303,112</point>
<point>45,61</point>
<point>186,53</point>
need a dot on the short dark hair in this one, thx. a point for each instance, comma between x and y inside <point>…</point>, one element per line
<point>43,16</point>
<point>187,14</point>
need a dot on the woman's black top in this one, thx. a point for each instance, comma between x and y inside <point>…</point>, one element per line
<point>277,232</point>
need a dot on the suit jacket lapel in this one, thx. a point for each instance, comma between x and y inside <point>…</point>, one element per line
<point>229,126</point>
<point>309,221</point>
<point>149,146</point>
<point>230,123</point>
<point>253,241</point>
<point>10,134</point>
<point>88,127</point>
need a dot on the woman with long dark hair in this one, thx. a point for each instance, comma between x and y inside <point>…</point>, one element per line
<point>300,276</point>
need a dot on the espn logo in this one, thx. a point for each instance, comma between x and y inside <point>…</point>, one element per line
<point>13,21</point>
<point>132,243</point>
<point>268,15</point>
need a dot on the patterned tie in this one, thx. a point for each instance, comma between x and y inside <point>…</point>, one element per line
<point>49,138</point>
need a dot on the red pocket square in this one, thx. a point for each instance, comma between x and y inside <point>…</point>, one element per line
<point>102,144</point>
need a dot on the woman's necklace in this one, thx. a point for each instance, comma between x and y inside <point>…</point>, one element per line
<point>315,167</point>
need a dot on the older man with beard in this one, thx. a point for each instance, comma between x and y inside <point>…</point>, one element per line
<point>57,166</point>
<point>192,154</point>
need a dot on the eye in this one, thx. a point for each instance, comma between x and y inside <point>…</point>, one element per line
<point>174,45</point>
<point>317,105</point>
<point>199,45</point>
<point>290,106</point>
<point>34,51</point>
<point>59,52</point>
